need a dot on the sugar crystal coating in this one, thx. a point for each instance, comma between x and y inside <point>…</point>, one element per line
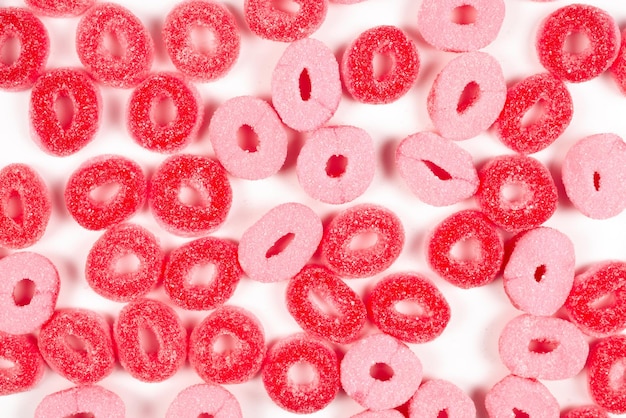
<point>584,307</point>
<point>94,211</point>
<point>203,175</point>
<point>52,134</point>
<point>357,65</point>
<point>435,396</point>
<point>204,400</point>
<point>388,413</point>
<point>77,344</point>
<point>475,267</point>
<point>315,170</point>
<point>87,400</point>
<point>601,31</point>
<point>588,411</point>
<point>358,377</point>
<point>150,364</point>
<point>184,261</point>
<point>268,21</point>
<point>527,396</point>
<point>25,228</point>
<point>254,163</point>
<point>232,363</point>
<point>60,8</point>
<point>20,315</point>
<point>605,367</point>
<point>436,25</point>
<point>516,192</point>
<point>618,68</point>
<point>124,68</point>
<point>340,314</point>
<point>21,24</point>
<point>27,368</point>
<point>421,327</point>
<point>143,123</point>
<point>291,394</point>
<point>557,108</point>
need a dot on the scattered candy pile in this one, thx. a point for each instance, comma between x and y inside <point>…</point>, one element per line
<point>268,207</point>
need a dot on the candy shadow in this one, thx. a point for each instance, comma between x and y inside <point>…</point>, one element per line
<point>388,157</point>
<point>555,171</point>
<point>155,28</point>
<point>478,396</point>
<point>295,143</point>
<point>203,130</point>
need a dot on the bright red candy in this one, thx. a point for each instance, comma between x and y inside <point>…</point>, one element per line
<point>125,67</point>
<point>475,267</point>
<point>102,270</point>
<point>60,8</point>
<point>618,69</point>
<point>20,230</point>
<point>590,411</point>
<point>419,327</point>
<point>516,192</point>
<point>28,366</point>
<point>556,114</point>
<point>202,174</point>
<point>357,65</point>
<point>167,354</point>
<point>183,263</point>
<point>341,314</point>
<point>21,24</point>
<point>268,21</point>
<point>191,59</point>
<point>605,373</point>
<point>77,344</point>
<point>241,354</point>
<point>595,24</point>
<point>356,221</point>
<point>98,212</point>
<point>604,279</point>
<point>53,135</point>
<point>283,385</point>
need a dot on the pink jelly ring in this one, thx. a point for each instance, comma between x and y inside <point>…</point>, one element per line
<point>515,394</point>
<point>27,365</point>
<point>204,400</point>
<point>436,396</point>
<point>143,123</point>
<point>190,59</point>
<point>88,400</point>
<point>357,65</point>
<point>60,8</point>
<point>124,68</point>
<point>605,362</point>
<point>268,21</point>
<point>21,24</point>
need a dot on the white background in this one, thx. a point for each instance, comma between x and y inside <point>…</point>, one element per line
<point>466,353</point>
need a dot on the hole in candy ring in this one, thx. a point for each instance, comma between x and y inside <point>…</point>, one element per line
<point>336,166</point>
<point>6,364</point>
<point>363,241</point>
<point>464,15</point>
<point>224,344</point>
<point>443,414</point>
<point>286,6</point>
<point>533,114</point>
<point>164,111</point>
<point>247,139</point>
<point>64,110</point>
<point>128,263</point>
<point>381,371</point>
<point>596,181</point>
<point>617,375</point>
<point>515,195</point>
<point>113,44</point>
<point>104,193</point>
<point>576,43</point>
<point>323,304</point>
<point>603,302</point>
<point>469,96</point>
<point>202,274</point>
<point>439,172</point>
<point>205,415</point>
<point>382,64</point>
<point>411,308</point>
<point>81,415</point>
<point>305,85</point>
<point>76,343</point>
<point>540,273</point>
<point>148,341</point>
<point>10,51</point>
<point>302,373</point>
<point>280,245</point>
<point>542,346</point>
<point>23,292</point>
<point>520,414</point>
<point>190,195</point>
<point>15,207</point>
<point>467,249</point>
<point>203,39</point>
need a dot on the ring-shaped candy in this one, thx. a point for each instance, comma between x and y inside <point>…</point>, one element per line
<point>270,22</point>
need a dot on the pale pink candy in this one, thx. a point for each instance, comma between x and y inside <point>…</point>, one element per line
<point>437,170</point>
<point>540,272</point>
<point>43,275</point>
<point>527,396</point>
<point>388,413</point>
<point>594,175</point>
<point>377,395</point>
<point>94,400</point>
<point>470,70</point>
<point>257,114</point>
<point>314,166</point>
<point>306,87</point>
<point>293,224</point>
<point>436,396</point>
<point>543,347</point>
<point>204,399</point>
<point>436,24</point>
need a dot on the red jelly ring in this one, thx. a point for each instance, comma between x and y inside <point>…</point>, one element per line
<point>101,269</point>
<point>132,64</point>
<point>236,363</point>
<point>289,394</point>
<point>618,68</point>
<point>516,192</point>
<point>77,344</point>
<point>484,259</point>
<point>357,220</point>
<point>95,213</point>
<point>587,411</point>
<point>357,65</point>
<point>52,135</point>
<point>187,58</point>
<point>28,366</point>
<point>177,280</point>
<point>417,328</point>
<point>22,25</point>
<point>598,27</point>
<point>556,114</point>
<point>60,8</point>
<point>605,367</point>
<point>175,134</point>
<point>268,21</point>
<point>339,317</point>
<point>146,363</point>
<point>21,181</point>
<point>209,180</point>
